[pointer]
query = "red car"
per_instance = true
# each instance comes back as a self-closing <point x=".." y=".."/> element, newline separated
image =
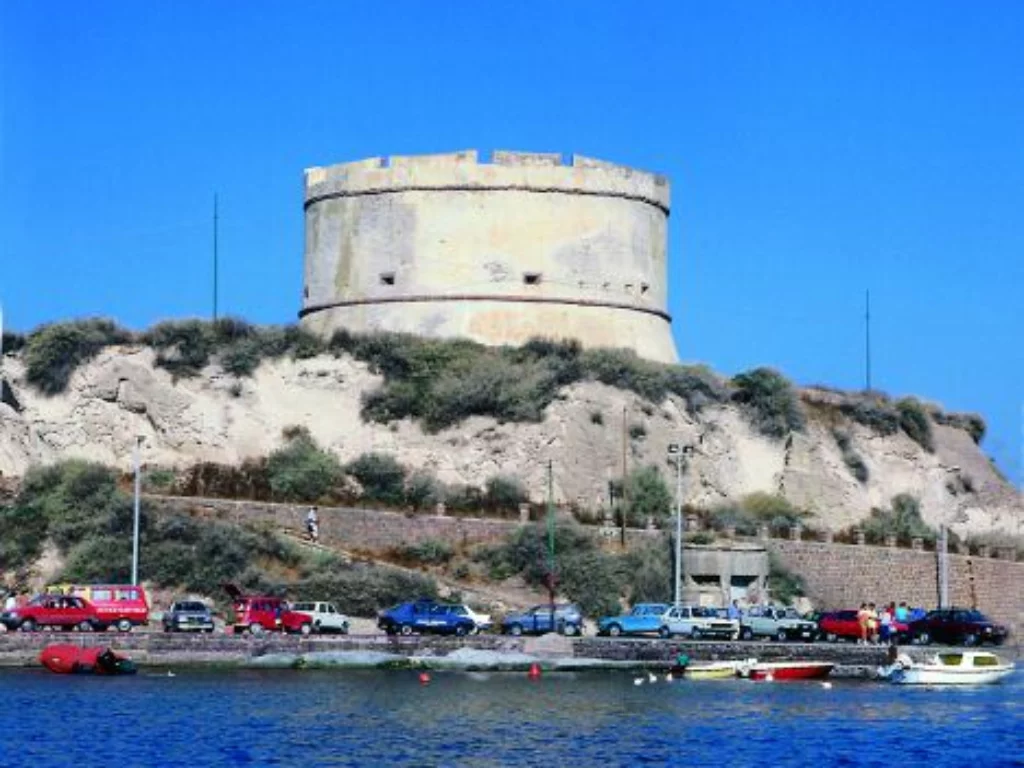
<point x="843" y="625"/>
<point x="262" y="613"/>
<point x="64" y="611"/>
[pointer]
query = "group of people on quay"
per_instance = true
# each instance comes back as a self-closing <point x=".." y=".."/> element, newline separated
<point x="879" y="625"/>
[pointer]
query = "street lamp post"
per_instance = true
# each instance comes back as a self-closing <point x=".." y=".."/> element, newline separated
<point x="135" y="520"/>
<point x="677" y="452"/>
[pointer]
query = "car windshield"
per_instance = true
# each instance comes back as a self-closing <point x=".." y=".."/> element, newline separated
<point x="189" y="607"/>
<point x="973" y="616"/>
<point x="302" y="607"/>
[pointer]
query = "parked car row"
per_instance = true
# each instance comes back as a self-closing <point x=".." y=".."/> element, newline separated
<point x="949" y="626"/>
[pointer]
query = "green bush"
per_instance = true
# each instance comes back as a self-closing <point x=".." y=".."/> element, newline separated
<point x="428" y="552"/>
<point x="783" y="585"/>
<point x="463" y="498"/>
<point x="249" y="480"/>
<point x="915" y="422"/>
<point x="362" y="590"/>
<point x="637" y="431"/>
<point x="423" y="491"/>
<point x="972" y="423"/>
<point x="902" y="520"/>
<point x="504" y="493"/>
<point x="301" y="471"/>
<point x="851" y="458"/>
<point x="12" y="342"/>
<point x="381" y="476"/>
<point x="54" y="352"/>
<point x="596" y="417"/>
<point x="874" y="412"/>
<point x="649" y="572"/>
<point x="183" y="347"/>
<point x="754" y="510"/>
<point x="647" y="496"/>
<point x="769" y="401"/>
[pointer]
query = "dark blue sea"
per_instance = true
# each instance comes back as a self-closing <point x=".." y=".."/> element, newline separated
<point x="335" y="718"/>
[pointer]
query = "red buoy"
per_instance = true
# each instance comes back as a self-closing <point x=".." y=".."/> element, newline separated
<point x="424" y="678"/>
<point x="534" y="672"/>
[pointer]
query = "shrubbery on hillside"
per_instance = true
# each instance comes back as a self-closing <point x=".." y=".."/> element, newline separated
<point x="915" y="422"/>
<point x="755" y="510"/>
<point x="53" y="352"/>
<point x="301" y="471"/>
<point x="902" y="520"/>
<point x="853" y="460"/>
<point x="78" y="507"/>
<point x="769" y="401"/>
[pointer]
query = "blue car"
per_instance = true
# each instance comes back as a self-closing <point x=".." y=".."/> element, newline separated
<point x="537" y="621"/>
<point x="427" y="616"/>
<point x="644" y="619"/>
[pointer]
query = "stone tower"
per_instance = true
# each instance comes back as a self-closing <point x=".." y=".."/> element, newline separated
<point x="499" y="252"/>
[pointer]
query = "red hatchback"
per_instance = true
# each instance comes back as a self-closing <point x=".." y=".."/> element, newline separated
<point x="64" y="611"/>
<point x="261" y="613"/>
<point x="843" y="625"/>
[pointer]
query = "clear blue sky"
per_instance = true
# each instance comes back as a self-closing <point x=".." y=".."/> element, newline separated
<point x="815" y="149"/>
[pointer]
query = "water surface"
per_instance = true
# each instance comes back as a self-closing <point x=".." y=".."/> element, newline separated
<point x="335" y="718"/>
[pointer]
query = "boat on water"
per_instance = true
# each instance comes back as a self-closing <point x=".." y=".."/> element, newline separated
<point x="785" y="670"/>
<point x="715" y="670"/>
<point x="74" y="659"/>
<point x="949" y="668"/>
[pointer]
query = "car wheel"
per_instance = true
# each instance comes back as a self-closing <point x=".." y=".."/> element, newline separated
<point x="461" y="630"/>
<point x="614" y="630"/>
<point x="832" y="637"/>
<point x="695" y="633"/>
<point x="84" y="626"/>
<point x="29" y="625"/>
<point x="305" y="629"/>
<point x="747" y="634"/>
<point x="970" y="639"/>
<point x="405" y="629"/>
<point x="781" y="636"/>
<point x="124" y="626"/>
<point x="208" y="630"/>
<point x="569" y="630"/>
<point x="665" y="633"/>
<point x="923" y="638"/>
<point x="515" y="629"/>
<point x="255" y="629"/>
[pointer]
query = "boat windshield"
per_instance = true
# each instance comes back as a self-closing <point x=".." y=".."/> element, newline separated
<point x="986" y="660"/>
<point x="950" y="659"/>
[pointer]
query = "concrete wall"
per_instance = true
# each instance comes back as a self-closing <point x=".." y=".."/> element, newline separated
<point x="844" y="576"/>
<point x="498" y="252"/>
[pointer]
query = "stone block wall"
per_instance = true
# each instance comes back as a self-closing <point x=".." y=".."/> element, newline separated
<point x="843" y="576"/>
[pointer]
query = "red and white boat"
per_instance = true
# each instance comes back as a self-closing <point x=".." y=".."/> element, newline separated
<point x="786" y="670"/>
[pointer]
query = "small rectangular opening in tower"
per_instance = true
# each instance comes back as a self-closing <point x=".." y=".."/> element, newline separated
<point x="387" y="278"/>
<point x="305" y="291"/>
<point x="644" y="288"/>
<point x="532" y="278"/>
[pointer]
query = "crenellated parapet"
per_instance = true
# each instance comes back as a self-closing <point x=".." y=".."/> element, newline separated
<point x="498" y="249"/>
<point x="524" y="171"/>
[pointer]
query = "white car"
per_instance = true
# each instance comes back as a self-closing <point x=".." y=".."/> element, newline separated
<point x="326" y="618"/>
<point x="697" y="621"/>
<point x="482" y="621"/>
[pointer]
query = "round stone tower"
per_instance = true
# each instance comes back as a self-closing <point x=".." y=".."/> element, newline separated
<point x="498" y="252"/>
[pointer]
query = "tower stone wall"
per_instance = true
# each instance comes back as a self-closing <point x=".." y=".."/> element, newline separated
<point x="501" y="251"/>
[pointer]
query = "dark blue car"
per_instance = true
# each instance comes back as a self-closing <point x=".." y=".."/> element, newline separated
<point x="426" y="616"/>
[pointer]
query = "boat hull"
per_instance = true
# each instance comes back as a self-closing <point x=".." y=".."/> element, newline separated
<point x="924" y="675"/>
<point x="713" y="671"/>
<point x="801" y="670"/>
<point x="72" y="659"/>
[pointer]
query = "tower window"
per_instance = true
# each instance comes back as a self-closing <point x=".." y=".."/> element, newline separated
<point x="644" y="288"/>
<point x="305" y="291"/>
<point x="531" y="278"/>
<point x="387" y="278"/>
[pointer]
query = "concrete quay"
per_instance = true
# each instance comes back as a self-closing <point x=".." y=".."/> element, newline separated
<point x="482" y="652"/>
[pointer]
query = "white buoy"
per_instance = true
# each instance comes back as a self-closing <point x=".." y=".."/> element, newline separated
<point x="651" y="677"/>
<point x="638" y="681"/>
<point x="827" y="686"/>
<point x="769" y="678"/>
<point x="170" y="674"/>
<point x="668" y="678"/>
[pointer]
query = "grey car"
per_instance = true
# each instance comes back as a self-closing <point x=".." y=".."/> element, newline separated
<point x="188" y="616"/>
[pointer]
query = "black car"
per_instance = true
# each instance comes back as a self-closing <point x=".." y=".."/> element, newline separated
<point x="957" y="626"/>
<point x="188" y="616"/>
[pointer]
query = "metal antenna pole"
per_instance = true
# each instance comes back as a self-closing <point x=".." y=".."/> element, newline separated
<point x="135" y="521"/>
<point x="867" y="338"/>
<point x="215" y="265"/>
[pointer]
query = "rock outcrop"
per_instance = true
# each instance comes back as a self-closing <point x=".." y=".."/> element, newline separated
<point x="121" y="394"/>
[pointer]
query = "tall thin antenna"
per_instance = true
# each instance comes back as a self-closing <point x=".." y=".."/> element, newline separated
<point x="625" y="496"/>
<point x="867" y="338"/>
<point x="215" y="270"/>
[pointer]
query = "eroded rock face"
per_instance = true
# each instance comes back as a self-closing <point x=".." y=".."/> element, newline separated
<point x="216" y="417"/>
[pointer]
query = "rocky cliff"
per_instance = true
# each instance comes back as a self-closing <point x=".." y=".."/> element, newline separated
<point x="121" y="393"/>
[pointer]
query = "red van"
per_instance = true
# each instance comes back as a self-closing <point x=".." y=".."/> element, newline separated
<point x="118" y="605"/>
<point x="257" y="614"/>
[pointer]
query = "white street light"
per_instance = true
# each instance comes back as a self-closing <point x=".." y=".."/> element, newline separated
<point x="677" y="451"/>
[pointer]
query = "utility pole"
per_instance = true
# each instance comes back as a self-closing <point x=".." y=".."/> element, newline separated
<point x="867" y="338"/>
<point x="551" y="543"/>
<point x="135" y="521"/>
<point x="215" y="265"/>
<point x="673" y="451"/>
<point x="625" y="494"/>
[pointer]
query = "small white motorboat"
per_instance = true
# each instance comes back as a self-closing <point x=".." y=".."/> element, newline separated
<point x="949" y="668"/>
